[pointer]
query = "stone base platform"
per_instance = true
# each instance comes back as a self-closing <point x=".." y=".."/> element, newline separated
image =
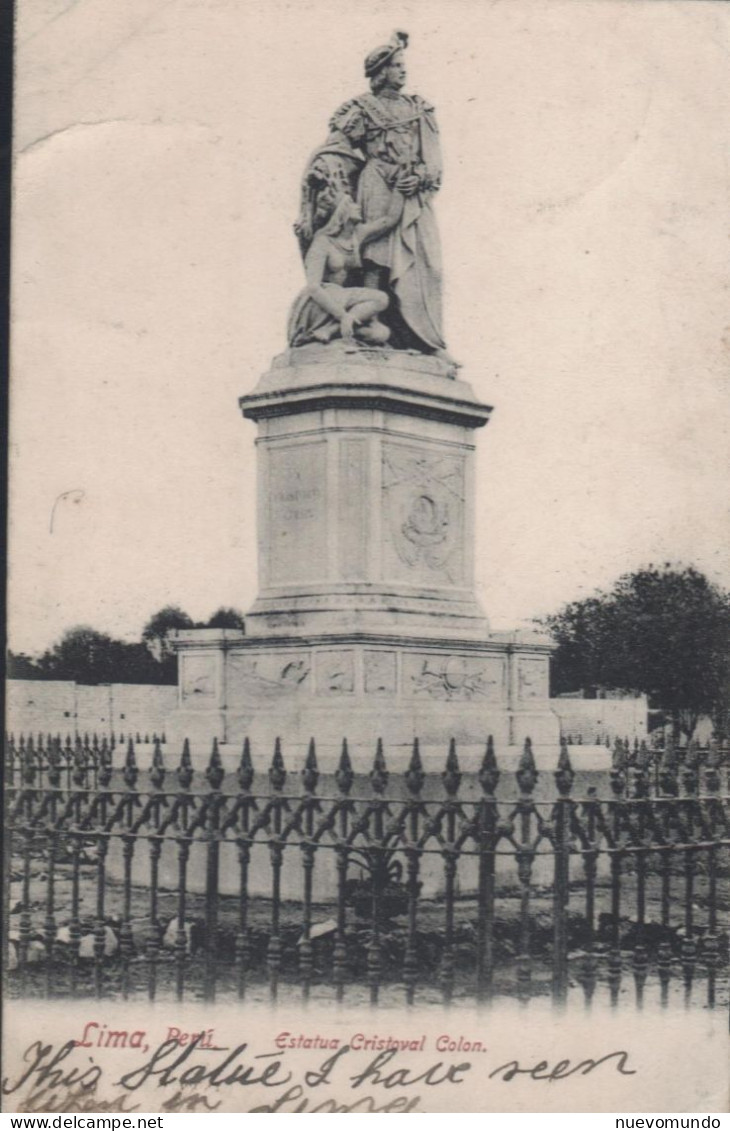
<point x="367" y="623"/>
<point x="362" y="687"/>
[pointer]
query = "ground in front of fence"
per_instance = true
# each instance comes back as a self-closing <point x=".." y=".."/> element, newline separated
<point x="509" y="965"/>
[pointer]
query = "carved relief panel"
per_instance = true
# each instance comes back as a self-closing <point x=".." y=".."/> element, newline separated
<point x="532" y="678"/>
<point x="198" y="681"/>
<point x="381" y="673"/>
<point x="423" y="515"/>
<point x="296" y="512"/>
<point x="256" y="680"/>
<point x="459" y="678"/>
<point x="335" y="672"/>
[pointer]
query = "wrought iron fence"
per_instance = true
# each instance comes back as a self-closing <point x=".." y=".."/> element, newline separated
<point x="123" y="879"/>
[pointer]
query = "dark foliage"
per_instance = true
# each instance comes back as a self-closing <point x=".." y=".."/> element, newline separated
<point x="662" y="632"/>
<point x="22" y="666"/>
<point x="226" y="618"/>
<point x="156" y="633"/>
<point x="90" y="657"/>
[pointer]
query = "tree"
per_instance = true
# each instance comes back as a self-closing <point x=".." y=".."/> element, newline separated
<point x="226" y="618"/>
<point x="135" y="664"/>
<point x="663" y="632"/>
<point x="22" y="666"/>
<point x="156" y="632"/>
<point x="87" y="656"/>
<point x="82" y="654"/>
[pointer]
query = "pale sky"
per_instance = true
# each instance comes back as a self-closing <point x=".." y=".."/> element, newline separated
<point x="159" y="148"/>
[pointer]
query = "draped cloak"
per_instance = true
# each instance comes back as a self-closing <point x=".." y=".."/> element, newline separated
<point x="402" y="137"/>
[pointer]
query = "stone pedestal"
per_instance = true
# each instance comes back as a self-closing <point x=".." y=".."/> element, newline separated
<point x="366" y="623"/>
<point x="366" y="486"/>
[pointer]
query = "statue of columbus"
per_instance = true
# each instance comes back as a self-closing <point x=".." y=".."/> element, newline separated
<point x="383" y="151"/>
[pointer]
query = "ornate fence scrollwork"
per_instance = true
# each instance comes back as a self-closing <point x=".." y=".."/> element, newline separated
<point x="130" y="872"/>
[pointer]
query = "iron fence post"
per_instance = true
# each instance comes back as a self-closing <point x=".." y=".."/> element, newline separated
<point x="246" y="802"/>
<point x="214" y="773"/>
<point x="487" y="828"/>
<point x="344" y="778"/>
<point x="277" y="779"/>
<point x="564" y="777"/>
<point x="414" y="779"/>
<point x="378" y="780"/>
<point x="525" y="855"/>
<point x="310" y="777"/>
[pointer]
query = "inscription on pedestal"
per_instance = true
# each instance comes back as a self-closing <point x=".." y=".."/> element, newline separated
<point x="297" y="512"/>
<point x="423" y="513"/>
<point x="353" y="493"/>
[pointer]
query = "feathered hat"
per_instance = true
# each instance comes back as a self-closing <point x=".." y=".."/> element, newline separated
<point x="378" y="58"/>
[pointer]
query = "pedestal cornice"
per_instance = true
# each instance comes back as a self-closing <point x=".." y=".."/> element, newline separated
<point x="228" y="639"/>
<point x="313" y="378"/>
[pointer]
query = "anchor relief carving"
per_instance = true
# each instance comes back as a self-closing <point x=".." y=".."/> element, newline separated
<point x="456" y="677"/>
<point x="423" y="496"/>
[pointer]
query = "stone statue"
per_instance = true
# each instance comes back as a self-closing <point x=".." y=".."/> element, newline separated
<point x="330" y="306"/>
<point x="332" y="170"/>
<point x="383" y="150"/>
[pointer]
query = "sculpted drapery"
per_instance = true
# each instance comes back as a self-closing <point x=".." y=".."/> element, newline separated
<point x="402" y="138"/>
<point x="383" y="149"/>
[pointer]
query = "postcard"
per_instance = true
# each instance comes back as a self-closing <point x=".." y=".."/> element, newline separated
<point x="367" y="724"/>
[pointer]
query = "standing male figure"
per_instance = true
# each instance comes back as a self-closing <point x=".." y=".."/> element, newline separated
<point x="402" y="171"/>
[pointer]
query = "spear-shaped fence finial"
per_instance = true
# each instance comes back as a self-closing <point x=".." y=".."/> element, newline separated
<point x="277" y="771"/>
<point x="415" y="777"/>
<point x="618" y="757"/>
<point x="185" y="769"/>
<point x="344" y="775"/>
<point x="379" y="773"/>
<point x="668" y="768"/>
<point x="105" y="763"/>
<point x="310" y="773"/>
<point x="489" y="771"/>
<point x="157" y="771"/>
<point x="130" y="773"/>
<point x="527" y="770"/>
<point x="245" y="771"/>
<point x="564" y="774"/>
<point x="618" y="768"/>
<point x="214" y="771"/>
<point x="53" y="752"/>
<point x="451" y="775"/>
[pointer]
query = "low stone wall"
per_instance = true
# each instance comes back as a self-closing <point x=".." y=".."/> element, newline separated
<point x="589" y="719"/>
<point x="63" y="707"/>
<point x="38" y="705"/>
